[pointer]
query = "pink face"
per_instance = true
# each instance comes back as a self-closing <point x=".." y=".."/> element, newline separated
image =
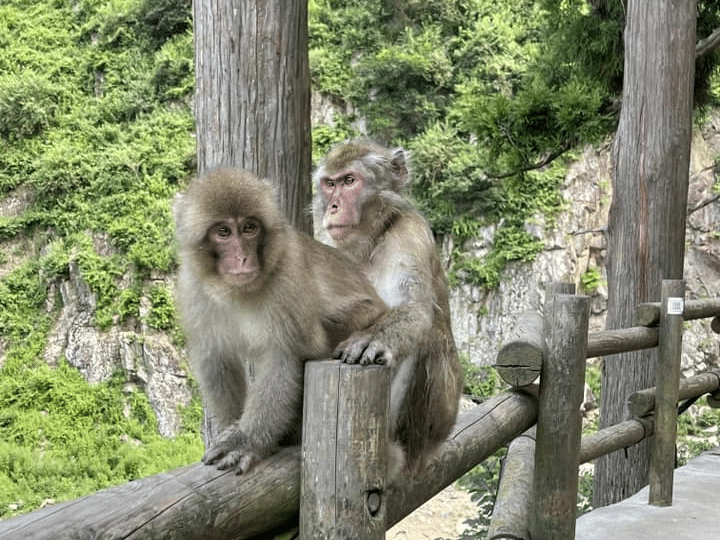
<point x="235" y="242"/>
<point x="342" y="211"/>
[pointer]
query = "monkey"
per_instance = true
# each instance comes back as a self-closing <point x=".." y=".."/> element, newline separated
<point x="257" y="299"/>
<point x="361" y="207"/>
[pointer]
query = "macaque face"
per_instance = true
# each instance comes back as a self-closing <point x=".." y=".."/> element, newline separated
<point x="342" y="192"/>
<point x="235" y="244"/>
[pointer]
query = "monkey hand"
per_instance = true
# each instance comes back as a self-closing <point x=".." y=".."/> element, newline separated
<point x="363" y="348"/>
<point x="233" y="449"/>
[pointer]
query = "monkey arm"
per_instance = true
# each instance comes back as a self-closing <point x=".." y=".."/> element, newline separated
<point x="406" y="284"/>
<point x="271" y="412"/>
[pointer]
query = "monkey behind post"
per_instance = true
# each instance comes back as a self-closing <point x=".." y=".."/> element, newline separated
<point x="257" y="299"/>
<point x="360" y="203"/>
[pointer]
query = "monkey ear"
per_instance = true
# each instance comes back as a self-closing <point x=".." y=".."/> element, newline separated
<point x="398" y="163"/>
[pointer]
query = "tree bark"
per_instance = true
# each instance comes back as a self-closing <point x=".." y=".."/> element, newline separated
<point x="646" y="227"/>
<point x="252" y="94"/>
<point x="252" y="99"/>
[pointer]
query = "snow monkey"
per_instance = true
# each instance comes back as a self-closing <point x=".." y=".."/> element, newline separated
<point x="360" y="204"/>
<point x="258" y="298"/>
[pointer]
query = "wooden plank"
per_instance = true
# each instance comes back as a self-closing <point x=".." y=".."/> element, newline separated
<point x="662" y="457"/>
<point x="559" y="427"/>
<point x="511" y="513"/>
<point x="344" y="451"/>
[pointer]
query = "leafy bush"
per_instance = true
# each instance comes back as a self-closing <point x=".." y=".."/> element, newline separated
<point x="62" y="438"/>
<point x="95" y="126"/>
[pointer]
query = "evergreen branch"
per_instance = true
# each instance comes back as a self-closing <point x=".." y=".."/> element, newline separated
<point x="552" y="156"/>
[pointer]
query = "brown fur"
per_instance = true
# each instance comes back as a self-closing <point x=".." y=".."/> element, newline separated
<point x="394" y="246"/>
<point x="247" y="345"/>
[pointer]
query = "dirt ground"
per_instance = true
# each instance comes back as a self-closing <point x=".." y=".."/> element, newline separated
<point x="442" y="517"/>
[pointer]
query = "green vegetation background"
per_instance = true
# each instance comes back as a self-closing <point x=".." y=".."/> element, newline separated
<point x="96" y="134"/>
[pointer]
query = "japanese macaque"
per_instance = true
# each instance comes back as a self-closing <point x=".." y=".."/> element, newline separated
<point x="362" y="210"/>
<point x="257" y="299"/>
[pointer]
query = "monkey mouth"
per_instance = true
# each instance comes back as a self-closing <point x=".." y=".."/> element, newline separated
<point x="239" y="279"/>
<point x="339" y="232"/>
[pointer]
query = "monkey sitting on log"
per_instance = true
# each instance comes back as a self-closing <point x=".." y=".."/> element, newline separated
<point x="360" y="203"/>
<point x="257" y="298"/>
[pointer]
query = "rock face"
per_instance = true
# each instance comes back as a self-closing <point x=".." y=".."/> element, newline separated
<point x="148" y="358"/>
<point x="576" y="246"/>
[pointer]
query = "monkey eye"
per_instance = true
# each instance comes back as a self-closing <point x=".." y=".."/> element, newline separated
<point x="349" y="180"/>
<point x="328" y="182"/>
<point x="223" y="231"/>
<point x="251" y="227"/>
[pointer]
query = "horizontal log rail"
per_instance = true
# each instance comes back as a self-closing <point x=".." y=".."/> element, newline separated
<point x="200" y="502"/>
<point x="642" y="403"/>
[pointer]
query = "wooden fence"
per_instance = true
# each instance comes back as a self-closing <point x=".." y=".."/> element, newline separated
<point x="538" y="488"/>
<point x="334" y="486"/>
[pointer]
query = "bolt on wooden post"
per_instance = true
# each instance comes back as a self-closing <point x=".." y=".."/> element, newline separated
<point x="667" y="390"/>
<point x="344" y="451"/>
<point x="557" y="447"/>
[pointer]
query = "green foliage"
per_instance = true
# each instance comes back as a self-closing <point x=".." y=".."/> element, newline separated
<point x="162" y="314"/>
<point x="324" y="137"/>
<point x="95" y="126"/>
<point x="482" y="482"/>
<point x="591" y="280"/>
<point x="28" y="105"/>
<point x="593" y="378"/>
<point x="697" y="431"/>
<point x="63" y="438"/>
<point x="479" y="381"/>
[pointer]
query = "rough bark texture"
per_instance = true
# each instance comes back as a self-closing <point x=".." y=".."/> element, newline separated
<point x="253" y="93"/>
<point x="646" y="229"/>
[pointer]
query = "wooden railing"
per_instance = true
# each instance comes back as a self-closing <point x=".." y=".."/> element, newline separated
<point x="538" y="489"/>
<point x="343" y="498"/>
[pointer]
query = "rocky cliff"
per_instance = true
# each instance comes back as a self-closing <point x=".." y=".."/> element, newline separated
<point x="575" y="250"/>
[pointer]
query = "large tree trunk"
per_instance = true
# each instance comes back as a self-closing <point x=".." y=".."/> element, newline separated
<point x="646" y="228"/>
<point x="252" y="95"/>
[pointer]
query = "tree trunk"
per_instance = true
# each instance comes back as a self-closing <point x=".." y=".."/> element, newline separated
<point x="252" y="94"/>
<point x="252" y="99"/>
<point x="646" y="227"/>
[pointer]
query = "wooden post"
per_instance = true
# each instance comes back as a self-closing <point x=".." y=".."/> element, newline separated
<point x="511" y="513"/>
<point x="662" y="459"/>
<point x="557" y="447"/>
<point x="344" y="451"/>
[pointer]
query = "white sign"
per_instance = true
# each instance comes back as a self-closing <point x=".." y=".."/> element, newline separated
<point x="675" y="306"/>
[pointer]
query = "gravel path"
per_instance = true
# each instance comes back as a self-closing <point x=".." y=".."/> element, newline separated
<point x="442" y="517"/>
